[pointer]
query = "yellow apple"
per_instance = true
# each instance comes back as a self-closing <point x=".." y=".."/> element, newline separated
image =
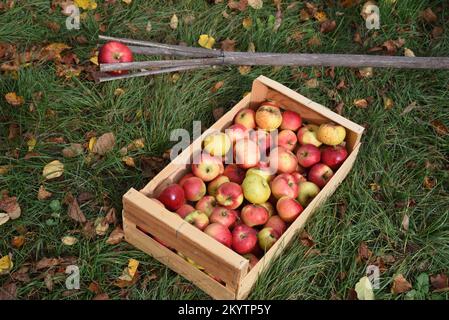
<point x="331" y="134"/>
<point x="217" y="144"/>
<point x="264" y="173"/>
<point x="308" y="135"/>
<point x="256" y="189"/>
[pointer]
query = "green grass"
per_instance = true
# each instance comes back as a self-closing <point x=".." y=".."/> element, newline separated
<point x="391" y="143"/>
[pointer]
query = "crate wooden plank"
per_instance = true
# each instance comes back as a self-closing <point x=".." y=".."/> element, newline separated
<point x="251" y="278"/>
<point x="216" y="258"/>
<point x="145" y="243"/>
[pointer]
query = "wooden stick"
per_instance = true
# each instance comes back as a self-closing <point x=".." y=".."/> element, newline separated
<point x="148" y="73"/>
<point x="158" y="64"/>
<point x="167" y="52"/>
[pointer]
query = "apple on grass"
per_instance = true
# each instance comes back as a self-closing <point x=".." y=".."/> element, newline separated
<point x="207" y="168"/>
<point x="266" y="238"/>
<point x="184" y="210"/>
<point x="333" y="156"/>
<point x="214" y="184"/>
<point x="246" y="117"/>
<point x="194" y="188"/>
<point x="236" y="132"/>
<point x="172" y="197"/>
<point x="307" y="191"/>
<point x="291" y="120"/>
<point x="220" y="233"/>
<point x="234" y="173"/>
<point x="284" y="185"/>
<point x="230" y="195"/>
<point x="277" y="224"/>
<point x="256" y="189"/>
<point x="320" y="174"/>
<point x="206" y="204"/>
<point x="244" y="239"/>
<point x="198" y="219"/>
<point x="288" y="209"/>
<point x="217" y="144"/>
<point x="283" y="160"/>
<point x="254" y="215"/>
<point x="115" y="52"/>
<point x="331" y="134"/>
<point x="287" y="139"/>
<point x="308" y="155"/>
<point x="224" y="216"/>
<point x="247" y="153"/>
<point x="308" y="134"/>
<point x="268" y="116"/>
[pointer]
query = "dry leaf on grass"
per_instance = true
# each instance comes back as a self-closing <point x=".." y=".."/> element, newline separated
<point x="74" y="150"/>
<point x="10" y="206"/>
<point x="129" y="275"/>
<point x="217" y="86"/>
<point x="8" y="291"/>
<point x="439" y="282"/>
<point x="429" y="182"/>
<point x="405" y="222"/>
<point x="247" y="23"/>
<point x="361" y="103"/>
<point x="69" y="240"/>
<point x="88" y="4"/>
<point x="206" y="41"/>
<point x="6" y="264"/>
<point x="18" y="241"/>
<point x="218" y="113"/>
<point x="364" y="289"/>
<point x="45" y="263"/>
<point x="328" y="26"/>
<point x="400" y="285"/>
<point x="240" y="5"/>
<point x="13" y="99"/>
<point x="74" y="210"/>
<point x="388" y="103"/>
<point x="429" y="16"/>
<point x="4" y="218"/>
<point x="244" y="70"/>
<point x="408" y="52"/>
<point x="104" y="144"/>
<point x="101" y="296"/>
<point x="255" y="4"/>
<point x="364" y="253"/>
<point x="116" y="236"/>
<point x="439" y="127"/>
<point x="228" y="45"/>
<point x="101" y="226"/>
<point x="129" y="161"/>
<point x="312" y="83"/>
<point x="43" y="194"/>
<point x="174" y="22"/>
<point x="53" y="170"/>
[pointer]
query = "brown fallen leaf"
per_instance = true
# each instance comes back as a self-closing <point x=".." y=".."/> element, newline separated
<point x="247" y="23"/>
<point x="129" y="161"/>
<point x="101" y="296"/>
<point x="405" y="222"/>
<point x="228" y="45"/>
<point x="14" y="131"/>
<point x="18" y="241"/>
<point x="429" y="16"/>
<point x="409" y="108"/>
<point x="314" y="41"/>
<point x="116" y="236"/>
<point x="21" y="275"/>
<point x="89" y="230"/>
<point x="388" y="103"/>
<point x="48" y="280"/>
<point x="94" y="287"/>
<point x="306" y="239"/>
<point x="244" y="70"/>
<point x="437" y="32"/>
<point x="74" y="150"/>
<point x="400" y="285"/>
<point x="361" y="103"/>
<point x="69" y="240"/>
<point x="10" y="206"/>
<point x="13" y="99"/>
<point x="217" y="86"/>
<point x="104" y="143"/>
<point x="312" y="83"/>
<point x="8" y="291"/>
<point x="364" y="253"/>
<point x="439" y="282"/>
<point x="339" y="108"/>
<point x="328" y="26"/>
<point x="240" y="5"/>
<point x="304" y="15"/>
<point x="429" y="182"/>
<point x="101" y="226"/>
<point x="439" y="127"/>
<point x="43" y="194"/>
<point x="74" y="210"/>
<point x="45" y="263"/>
<point x="111" y="216"/>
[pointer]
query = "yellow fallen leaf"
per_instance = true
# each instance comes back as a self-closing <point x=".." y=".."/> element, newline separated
<point x="206" y="41"/>
<point x="4" y="169"/>
<point x="127" y="1"/>
<point x="31" y="143"/>
<point x="388" y="103"/>
<point x="149" y="26"/>
<point x="101" y="226"/>
<point x="175" y="77"/>
<point x="408" y="52"/>
<point x="86" y="4"/>
<point x="244" y="70"/>
<point x="320" y="16"/>
<point x="53" y="50"/>
<point x="366" y="72"/>
<point x="130" y="271"/>
<point x="69" y="240"/>
<point x="13" y="99"/>
<point x="129" y="161"/>
<point x="53" y="170"/>
<point x="119" y="92"/>
<point x="4" y="217"/>
<point x="364" y="289"/>
<point x="247" y="23"/>
<point x="255" y="4"/>
<point x="92" y="142"/>
<point x="174" y="22"/>
<point x="94" y="58"/>
<point x="312" y="83"/>
<point x="6" y="265"/>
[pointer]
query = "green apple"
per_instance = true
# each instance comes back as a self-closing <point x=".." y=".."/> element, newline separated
<point x="267" y="237"/>
<point x="264" y="173"/>
<point x="307" y="191"/>
<point x="256" y="189"/>
<point x="217" y="144"/>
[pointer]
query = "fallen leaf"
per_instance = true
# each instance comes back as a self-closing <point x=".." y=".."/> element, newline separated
<point x="348" y="3"/>
<point x="53" y="170"/>
<point x="13" y="99"/>
<point x="217" y="86"/>
<point x="437" y="32"/>
<point x="409" y="108"/>
<point x="304" y="15"/>
<point x="244" y="70"/>
<point x="375" y="187"/>
<point x="357" y="38"/>
<point x="119" y="92"/>
<point x="429" y="183"/>
<point x="14" y="131"/>
<point x="408" y="52"/>
<point x="74" y="150"/>
<point x="5" y="169"/>
<point x="89" y="4"/>
<point x="314" y="41"/>
<point x="8" y="291"/>
<point x="188" y="19"/>
<point x="312" y="83"/>
<point x="101" y="296"/>
<point x="228" y="45"/>
<point x="45" y="263"/>
<point x="101" y="226"/>
<point x="94" y="58"/>
<point x="149" y="26"/>
<point x="255" y="4"/>
<point x="206" y="41"/>
<point x="10" y="206"/>
<point x="174" y="22"/>
<point x="89" y="230"/>
<point x="328" y="26"/>
<point x="278" y="20"/>
<point x="91" y="144"/>
<point x="306" y="239"/>
<point x="339" y="108"/>
<point x="18" y="241"/>
<point x="439" y="282"/>
<point x="74" y="210"/>
<point x="6" y="264"/>
<point x="320" y="16"/>
<point x="388" y="103"/>
<point x="251" y="47"/>
<point x="4" y="217"/>
<point x="364" y="253"/>
<point x="429" y="16"/>
<point x="400" y="285"/>
<point x="366" y="72"/>
<point x="94" y="287"/>
<point x="361" y="103"/>
<point x="69" y="240"/>
<point x="116" y="236"/>
<point x="129" y="274"/>
<point x="111" y="216"/>
<point x="405" y="222"/>
<point x="104" y="144"/>
<point x="218" y="113"/>
<point x="439" y="127"/>
<point x="43" y="194"/>
<point x="364" y="289"/>
<point x="53" y="51"/>
<point x="240" y="5"/>
<point x="129" y="161"/>
<point x="247" y="23"/>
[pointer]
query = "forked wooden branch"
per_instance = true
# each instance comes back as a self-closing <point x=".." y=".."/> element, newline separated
<point x="208" y="57"/>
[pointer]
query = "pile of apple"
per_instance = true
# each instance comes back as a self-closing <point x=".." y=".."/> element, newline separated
<point x="244" y="205"/>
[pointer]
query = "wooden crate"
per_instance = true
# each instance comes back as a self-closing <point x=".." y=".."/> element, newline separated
<point x="142" y="213"/>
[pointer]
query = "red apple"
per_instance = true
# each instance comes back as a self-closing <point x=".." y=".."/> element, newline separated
<point x="283" y="160"/>
<point x="220" y="233"/>
<point x="291" y="120"/>
<point x="262" y="138"/>
<point x="308" y="155"/>
<point x="224" y="216"/>
<point x="247" y="154"/>
<point x="114" y="52"/>
<point x="246" y="117"/>
<point x="333" y="156"/>
<point x="194" y="188"/>
<point x="287" y="139"/>
<point x="206" y="204"/>
<point x="252" y="259"/>
<point x="184" y="210"/>
<point x="230" y="195"/>
<point x="277" y="224"/>
<point x="254" y="215"/>
<point x="320" y="174"/>
<point x="208" y="168"/>
<point x="234" y="173"/>
<point x="298" y="177"/>
<point x="172" y="197"/>
<point x="284" y="185"/>
<point x="288" y="209"/>
<point x="214" y="184"/>
<point x="184" y="177"/>
<point x="269" y="207"/>
<point x="267" y="237"/>
<point x="244" y="239"/>
<point x="198" y="219"/>
<point x="236" y="132"/>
